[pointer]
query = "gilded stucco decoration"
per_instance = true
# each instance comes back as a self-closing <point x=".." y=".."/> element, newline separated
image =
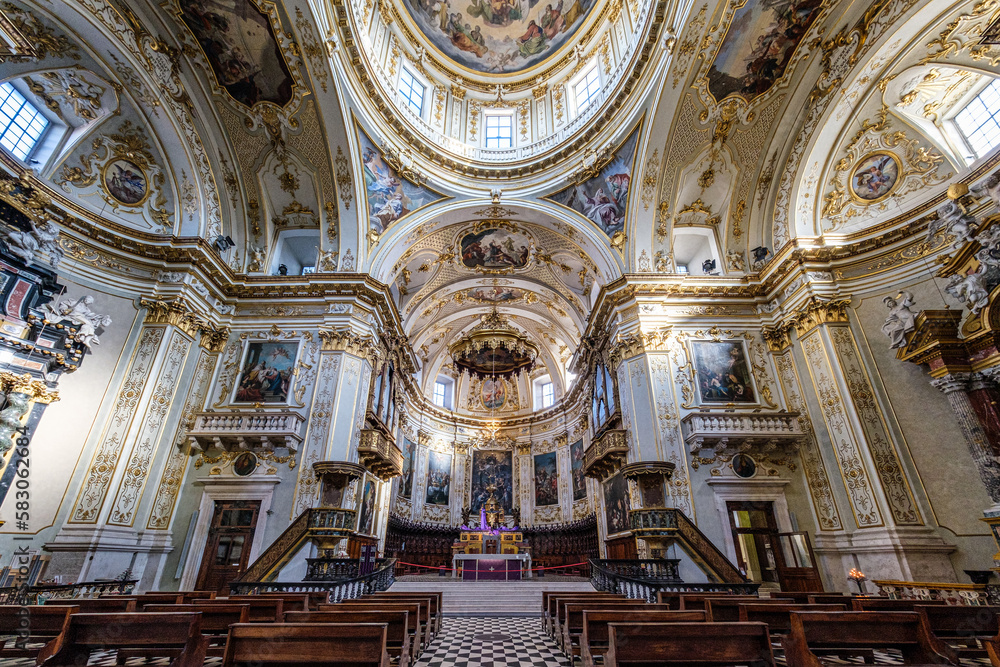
<point x="881" y="162"/>
<point x="126" y="174"/>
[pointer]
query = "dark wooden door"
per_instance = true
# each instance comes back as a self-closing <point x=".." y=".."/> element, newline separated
<point x="755" y="533"/>
<point x="798" y="570"/>
<point x="227" y="550"/>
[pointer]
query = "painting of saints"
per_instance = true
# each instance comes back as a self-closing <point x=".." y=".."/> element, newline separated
<point x="875" y="176"/>
<point x="494" y="393"/>
<point x="366" y="515"/>
<point x="495" y="249"/>
<point x="546" y="480"/>
<point x="125" y="182"/>
<point x="723" y="372"/>
<point x="438" y="478"/>
<point x="389" y="197"/>
<point x="758" y="46"/>
<point x="241" y="48"/>
<point x="616" y="504"/>
<point x="406" y="481"/>
<point x="576" y="467"/>
<point x="267" y="373"/>
<point x="603" y="199"/>
<point x="492" y="470"/>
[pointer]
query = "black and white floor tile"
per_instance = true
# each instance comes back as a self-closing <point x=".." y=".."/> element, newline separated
<point x="492" y="642"/>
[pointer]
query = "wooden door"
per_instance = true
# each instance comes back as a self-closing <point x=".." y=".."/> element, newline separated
<point x="227" y="550"/>
<point x="798" y="570"/>
<point x="755" y="534"/>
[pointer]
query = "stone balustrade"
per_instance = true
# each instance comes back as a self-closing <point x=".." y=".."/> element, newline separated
<point x="246" y="430"/>
<point x="733" y="429"/>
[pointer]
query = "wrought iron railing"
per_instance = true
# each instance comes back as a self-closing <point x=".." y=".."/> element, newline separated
<point x="84" y="589"/>
<point x="607" y="575"/>
<point x="379" y="579"/>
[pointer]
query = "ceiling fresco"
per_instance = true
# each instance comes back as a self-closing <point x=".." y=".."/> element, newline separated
<point x="239" y="42"/>
<point x="758" y="46"/>
<point x="498" y="36"/>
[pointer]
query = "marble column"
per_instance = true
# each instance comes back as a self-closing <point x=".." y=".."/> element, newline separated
<point x="955" y="387"/>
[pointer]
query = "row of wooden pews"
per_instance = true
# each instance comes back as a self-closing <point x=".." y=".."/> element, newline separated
<point x="276" y="629"/>
<point x="683" y="628"/>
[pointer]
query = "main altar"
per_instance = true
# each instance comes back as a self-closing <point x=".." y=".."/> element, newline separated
<point x="492" y="548"/>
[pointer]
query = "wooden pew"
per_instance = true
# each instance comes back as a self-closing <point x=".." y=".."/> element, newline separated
<point x="435" y="608"/>
<point x="727" y="609"/>
<point x="42" y="628"/>
<point x="800" y="597"/>
<point x="702" y="644"/>
<point x="552" y="603"/>
<point x="778" y="617"/>
<point x="414" y="610"/>
<point x="291" y="601"/>
<point x="112" y="604"/>
<point x="594" y="640"/>
<point x="966" y="626"/>
<point x="570" y="619"/>
<point x="190" y="596"/>
<point x="815" y="632"/>
<point x="215" y="622"/>
<point x="262" y="609"/>
<point x="397" y="630"/>
<point x="885" y="604"/>
<point x="294" y="644"/>
<point x="430" y="615"/>
<point x="146" y="632"/>
<point x="143" y="599"/>
<point x="831" y="598"/>
<point x="697" y="601"/>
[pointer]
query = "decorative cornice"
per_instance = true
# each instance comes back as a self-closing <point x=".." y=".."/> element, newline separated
<point x="818" y="312"/>
<point x="179" y="314"/>
<point x="350" y="342"/>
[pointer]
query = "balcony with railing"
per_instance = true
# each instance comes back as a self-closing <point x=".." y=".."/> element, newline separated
<point x="606" y="454"/>
<point x="380" y="454"/>
<point x="246" y="430"/>
<point x="731" y="429"/>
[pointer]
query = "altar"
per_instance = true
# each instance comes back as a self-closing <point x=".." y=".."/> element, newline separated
<point x="491" y="567"/>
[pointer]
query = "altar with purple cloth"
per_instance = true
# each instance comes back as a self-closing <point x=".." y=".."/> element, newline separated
<point x="491" y="567"/>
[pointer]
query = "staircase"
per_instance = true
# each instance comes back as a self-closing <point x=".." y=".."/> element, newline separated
<point x="481" y="598"/>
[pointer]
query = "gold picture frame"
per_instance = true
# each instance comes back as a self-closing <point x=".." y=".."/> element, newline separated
<point x="117" y="190"/>
<point x="878" y="161"/>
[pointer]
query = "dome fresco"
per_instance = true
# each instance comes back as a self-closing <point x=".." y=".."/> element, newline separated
<point x="498" y="36"/>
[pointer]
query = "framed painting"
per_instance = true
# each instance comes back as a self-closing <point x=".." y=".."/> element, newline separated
<point x="438" y="479"/>
<point x="722" y="372"/>
<point x="406" y="479"/>
<point x="366" y="507"/>
<point x="493" y="393"/>
<point x="267" y="371"/>
<point x="616" y="504"/>
<point x="492" y="470"/>
<point x="875" y="177"/>
<point x="495" y="250"/>
<point x="576" y="468"/>
<point x="125" y="182"/>
<point x="546" y="480"/>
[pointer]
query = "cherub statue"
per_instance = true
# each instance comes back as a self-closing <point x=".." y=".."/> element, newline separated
<point x="989" y="187"/>
<point x="970" y="289"/>
<point x="953" y="218"/>
<point x="79" y="313"/>
<point x="735" y="261"/>
<point x="41" y="238"/>
<point x="900" y="320"/>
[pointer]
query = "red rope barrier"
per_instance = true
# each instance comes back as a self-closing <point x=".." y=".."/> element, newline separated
<point x="449" y="569"/>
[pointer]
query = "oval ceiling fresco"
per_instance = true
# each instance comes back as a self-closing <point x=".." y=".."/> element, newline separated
<point x="498" y="36"/>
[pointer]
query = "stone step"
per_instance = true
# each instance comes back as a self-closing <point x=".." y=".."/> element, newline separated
<point x="508" y="598"/>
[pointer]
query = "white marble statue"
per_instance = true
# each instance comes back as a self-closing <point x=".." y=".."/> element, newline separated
<point x="900" y="320"/>
<point x="735" y="261"/>
<point x="969" y="289"/>
<point x="954" y="219"/>
<point x="41" y="238"/>
<point x="988" y="187"/>
<point x="79" y="313"/>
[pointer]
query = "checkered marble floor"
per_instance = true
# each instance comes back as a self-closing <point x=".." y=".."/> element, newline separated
<point x="492" y="642"/>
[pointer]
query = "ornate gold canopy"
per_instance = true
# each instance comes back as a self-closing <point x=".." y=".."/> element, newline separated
<point x="494" y="349"/>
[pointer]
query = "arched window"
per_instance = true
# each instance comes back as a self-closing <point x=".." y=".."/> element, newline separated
<point x="23" y="123"/>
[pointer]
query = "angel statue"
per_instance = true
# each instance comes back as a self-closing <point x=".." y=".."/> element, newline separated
<point x="41" y="238"/>
<point x="969" y="289"/>
<point x="79" y="313"/>
<point x="900" y="320"/>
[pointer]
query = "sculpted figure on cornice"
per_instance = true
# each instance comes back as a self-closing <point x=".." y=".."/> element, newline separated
<point x="77" y="311"/>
